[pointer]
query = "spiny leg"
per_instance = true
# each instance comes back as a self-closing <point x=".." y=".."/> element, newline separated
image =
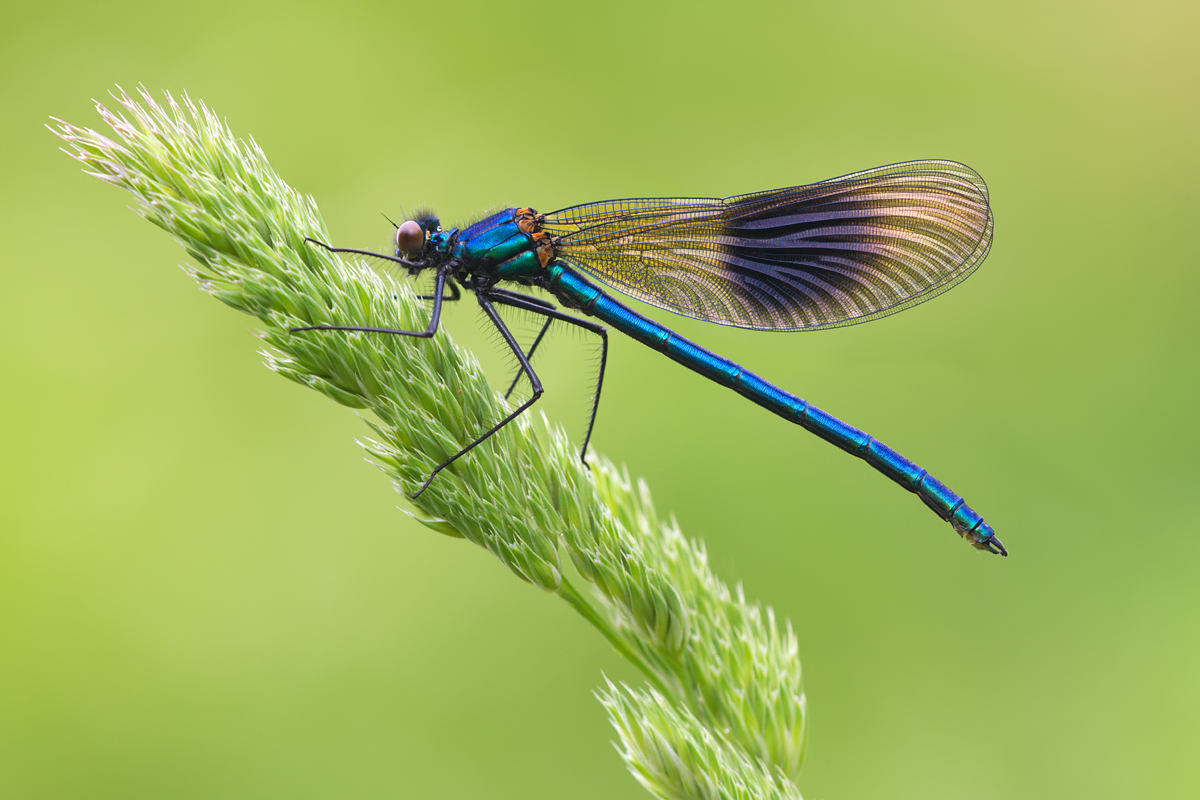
<point x="539" y="307"/>
<point x="402" y="261"/>
<point x="496" y="293"/>
<point x="454" y="295"/>
<point x="430" y="330"/>
<point x="499" y="296"/>
<point x="490" y="310"/>
<point x="417" y="265"/>
<point x="532" y="349"/>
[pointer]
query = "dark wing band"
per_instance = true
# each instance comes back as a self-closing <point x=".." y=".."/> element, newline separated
<point x="834" y="253"/>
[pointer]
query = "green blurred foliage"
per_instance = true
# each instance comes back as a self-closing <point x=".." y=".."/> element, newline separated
<point x="205" y="592"/>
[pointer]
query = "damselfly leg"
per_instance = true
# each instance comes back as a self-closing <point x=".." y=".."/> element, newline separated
<point x="454" y="295"/>
<point x="536" y="382"/>
<point x="439" y="295"/>
<point x="538" y="306"/>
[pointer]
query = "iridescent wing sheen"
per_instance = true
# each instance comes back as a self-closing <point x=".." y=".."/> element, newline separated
<point x="833" y="253"/>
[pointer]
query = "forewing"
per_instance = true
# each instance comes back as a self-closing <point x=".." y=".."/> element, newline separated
<point x="833" y="253"/>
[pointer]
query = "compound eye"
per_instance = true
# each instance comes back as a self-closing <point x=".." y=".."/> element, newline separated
<point x="410" y="238"/>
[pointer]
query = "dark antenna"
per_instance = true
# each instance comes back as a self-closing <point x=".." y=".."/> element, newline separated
<point x="389" y="219"/>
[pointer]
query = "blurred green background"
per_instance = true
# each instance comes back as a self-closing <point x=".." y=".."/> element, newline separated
<point x="206" y="592"/>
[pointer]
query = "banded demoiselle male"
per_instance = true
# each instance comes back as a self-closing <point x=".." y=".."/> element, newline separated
<point x="828" y="254"/>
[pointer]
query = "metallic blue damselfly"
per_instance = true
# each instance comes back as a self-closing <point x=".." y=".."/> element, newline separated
<point x="833" y="253"/>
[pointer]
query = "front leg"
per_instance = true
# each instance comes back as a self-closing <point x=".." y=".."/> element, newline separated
<point x="430" y="329"/>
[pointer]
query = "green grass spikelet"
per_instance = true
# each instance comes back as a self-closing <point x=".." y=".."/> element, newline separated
<point x="725" y="717"/>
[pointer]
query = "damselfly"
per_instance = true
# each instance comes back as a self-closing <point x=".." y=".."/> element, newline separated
<point x="833" y="253"/>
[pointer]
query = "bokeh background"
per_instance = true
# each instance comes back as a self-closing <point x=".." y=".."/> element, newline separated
<point x="206" y="592"/>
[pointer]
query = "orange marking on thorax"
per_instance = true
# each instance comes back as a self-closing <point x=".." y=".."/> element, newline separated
<point x="544" y="247"/>
<point x="528" y="220"/>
